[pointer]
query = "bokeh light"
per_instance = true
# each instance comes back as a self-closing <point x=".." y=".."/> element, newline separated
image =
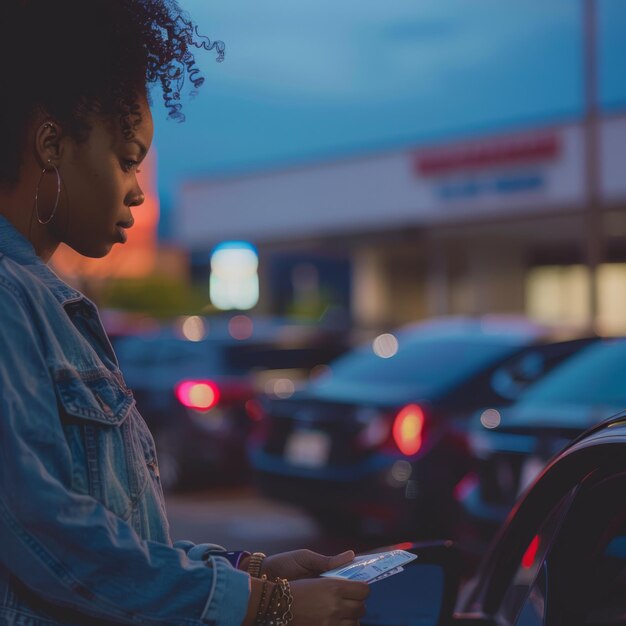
<point x="385" y="346"/>
<point x="490" y="418"/>
<point x="194" y="328"/>
<point x="241" y="327"/>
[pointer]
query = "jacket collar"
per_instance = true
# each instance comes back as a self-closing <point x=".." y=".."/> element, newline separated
<point x="14" y="245"/>
<point x="17" y="248"/>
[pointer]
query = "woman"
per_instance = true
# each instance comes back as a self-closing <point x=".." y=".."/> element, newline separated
<point x="84" y="537"/>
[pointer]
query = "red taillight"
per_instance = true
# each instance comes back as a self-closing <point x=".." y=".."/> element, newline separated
<point x="201" y="395"/>
<point x="407" y="429"/>
<point x="531" y="553"/>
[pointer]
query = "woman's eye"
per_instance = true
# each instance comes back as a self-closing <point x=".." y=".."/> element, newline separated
<point x="129" y="164"/>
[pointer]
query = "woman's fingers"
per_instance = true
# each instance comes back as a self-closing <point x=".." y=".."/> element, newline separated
<point x="351" y="606"/>
<point x="328" y="601"/>
<point x="355" y="590"/>
<point x="352" y="609"/>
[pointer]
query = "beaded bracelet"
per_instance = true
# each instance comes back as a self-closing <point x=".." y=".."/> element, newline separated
<point x="259" y="614"/>
<point x="279" y="609"/>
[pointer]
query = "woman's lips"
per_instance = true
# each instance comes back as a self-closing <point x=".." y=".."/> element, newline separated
<point x="122" y="234"/>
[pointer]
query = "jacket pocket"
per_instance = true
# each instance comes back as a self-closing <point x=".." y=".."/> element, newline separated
<point x="94" y="406"/>
<point x="95" y="395"/>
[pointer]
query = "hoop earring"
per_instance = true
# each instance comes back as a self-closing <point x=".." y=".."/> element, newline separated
<point x="56" y="203"/>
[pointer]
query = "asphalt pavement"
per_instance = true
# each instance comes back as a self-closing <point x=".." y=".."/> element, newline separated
<point x="238" y="519"/>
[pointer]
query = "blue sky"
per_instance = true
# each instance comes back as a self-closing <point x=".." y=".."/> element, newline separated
<point x="312" y="80"/>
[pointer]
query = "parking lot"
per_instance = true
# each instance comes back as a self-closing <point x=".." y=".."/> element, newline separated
<point x="237" y="518"/>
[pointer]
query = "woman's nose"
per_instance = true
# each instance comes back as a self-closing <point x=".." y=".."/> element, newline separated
<point x="138" y="199"/>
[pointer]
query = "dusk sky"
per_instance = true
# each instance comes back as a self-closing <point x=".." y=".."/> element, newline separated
<point x="319" y="79"/>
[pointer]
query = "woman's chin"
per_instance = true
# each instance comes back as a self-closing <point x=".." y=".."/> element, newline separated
<point x="94" y="251"/>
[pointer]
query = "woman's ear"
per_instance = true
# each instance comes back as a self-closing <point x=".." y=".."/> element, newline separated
<point x="48" y="142"/>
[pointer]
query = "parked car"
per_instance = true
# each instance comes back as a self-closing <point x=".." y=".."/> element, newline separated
<point x="379" y="443"/>
<point x="194" y="386"/>
<point x="559" y="560"/>
<point x="513" y="444"/>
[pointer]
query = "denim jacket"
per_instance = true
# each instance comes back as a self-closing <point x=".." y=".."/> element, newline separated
<point x="84" y="537"/>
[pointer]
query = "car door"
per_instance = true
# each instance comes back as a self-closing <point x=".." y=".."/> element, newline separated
<point x="551" y="563"/>
<point x="580" y="577"/>
<point x="586" y="580"/>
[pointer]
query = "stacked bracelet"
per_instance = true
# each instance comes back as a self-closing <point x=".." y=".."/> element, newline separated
<point x="255" y="563"/>
<point x="260" y="613"/>
<point x="279" y="608"/>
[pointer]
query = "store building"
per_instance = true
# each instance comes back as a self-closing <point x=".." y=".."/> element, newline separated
<point x="497" y="224"/>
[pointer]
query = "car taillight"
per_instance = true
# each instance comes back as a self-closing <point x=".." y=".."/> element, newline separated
<point x="407" y="429"/>
<point x="201" y="395"/>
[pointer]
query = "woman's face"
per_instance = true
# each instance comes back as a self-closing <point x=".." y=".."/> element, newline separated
<point x="99" y="185"/>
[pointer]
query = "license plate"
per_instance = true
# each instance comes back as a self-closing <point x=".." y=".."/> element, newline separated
<point x="530" y="470"/>
<point x="308" y="448"/>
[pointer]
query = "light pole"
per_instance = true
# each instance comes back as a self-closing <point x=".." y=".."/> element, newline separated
<point x="593" y="230"/>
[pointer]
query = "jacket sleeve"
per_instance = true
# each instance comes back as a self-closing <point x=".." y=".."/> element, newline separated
<point x="203" y="551"/>
<point x="67" y="548"/>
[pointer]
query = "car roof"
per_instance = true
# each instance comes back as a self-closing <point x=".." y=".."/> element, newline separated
<point x="613" y="427"/>
<point x="513" y="326"/>
<point x="503" y="328"/>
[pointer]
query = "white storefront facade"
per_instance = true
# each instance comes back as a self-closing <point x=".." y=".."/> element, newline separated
<point x="490" y="224"/>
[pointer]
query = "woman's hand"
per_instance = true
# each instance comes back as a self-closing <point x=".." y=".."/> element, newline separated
<point x="302" y="564"/>
<point x="328" y="602"/>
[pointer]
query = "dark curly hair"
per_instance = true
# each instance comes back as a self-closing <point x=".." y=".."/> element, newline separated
<point x="76" y="57"/>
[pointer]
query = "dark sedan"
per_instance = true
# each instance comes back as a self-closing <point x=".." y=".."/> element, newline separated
<point x="194" y="384"/>
<point x="377" y="445"/>
<point x="559" y="560"/>
<point x="512" y="445"/>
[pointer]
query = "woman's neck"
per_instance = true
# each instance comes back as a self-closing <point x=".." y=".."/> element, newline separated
<point x="17" y="204"/>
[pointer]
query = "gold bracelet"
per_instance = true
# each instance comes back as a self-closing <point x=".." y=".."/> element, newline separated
<point x="260" y="612"/>
<point x="255" y="563"/>
<point x="281" y="601"/>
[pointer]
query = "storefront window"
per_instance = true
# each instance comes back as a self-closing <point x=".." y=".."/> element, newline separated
<point x="559" y="294"/>
<point x="612" y="298"/>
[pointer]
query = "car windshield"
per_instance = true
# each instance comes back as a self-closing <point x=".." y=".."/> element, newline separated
<point x="423" y="362"/>
<point x="594" y="376"/>
<point x="222" y="356"/>
<point x="174" y="353"/>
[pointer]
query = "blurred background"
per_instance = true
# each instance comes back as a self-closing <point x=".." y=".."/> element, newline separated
<point x="349" y="170"/>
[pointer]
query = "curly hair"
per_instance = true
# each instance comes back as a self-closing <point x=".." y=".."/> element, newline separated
<point x="71" y="58"/>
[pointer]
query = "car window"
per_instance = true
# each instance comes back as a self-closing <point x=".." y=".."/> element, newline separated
<point x="595" y="376"/>
<point x="608" y="607"/>
<point x="132" y="351"/>
<point x="516" y="374"/>
<point x="174" y="352"/>
<point x="430" y="364"/>
<point x="550" y="561"/>
<point x="277" y="357"/>
<point x="510" y="379"/>
<point x="533" y="611"/>
<point x="169" y="352"/>
<point x="587" y="564"/>
<point x="523" y="602"/>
